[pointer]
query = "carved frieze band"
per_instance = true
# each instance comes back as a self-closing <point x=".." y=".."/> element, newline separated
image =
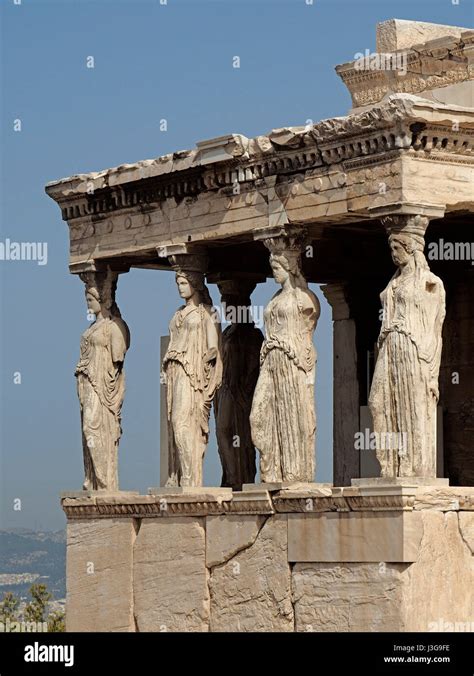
<point x="319" y="149"/>
<point x="266" y="502"/>
<point x="424" y="67"/>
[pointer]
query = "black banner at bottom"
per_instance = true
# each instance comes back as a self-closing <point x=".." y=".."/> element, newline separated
<point x="71" y="653"/>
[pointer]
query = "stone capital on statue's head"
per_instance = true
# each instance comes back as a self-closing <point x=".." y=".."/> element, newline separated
<point x="290" y="245"/>
<point x="414" y="225"/>
<point x="409" y="229"/>
<point x="102" y="285"/>
<point x="194" y="263"/>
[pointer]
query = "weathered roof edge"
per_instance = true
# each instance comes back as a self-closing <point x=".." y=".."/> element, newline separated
<point x="394" y="108"/>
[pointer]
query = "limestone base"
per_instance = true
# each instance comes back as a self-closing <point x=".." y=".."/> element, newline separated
<point x="342" y="559"/>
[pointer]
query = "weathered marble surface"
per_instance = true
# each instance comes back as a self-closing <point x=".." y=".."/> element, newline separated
<point x="439" y="586"/>
<point x="170" y="576"/>
<point x="101" y="382"/>
<point x="283" y="419"/>
<point x="430" y="60"/>
<point x="347" y="597"/>
<point x="99" y="575"/>
<point x="402" y="34"/>
<point x="241" y="343"/>
<point x="229" y="534"/>
<point x="354" y="537"/>
<point x="192" y="367"/>
<point x="252" y="591"/>
<point x="191" y="569"/>
<point x="325" y="172"/>
<point x="404" y="392"/>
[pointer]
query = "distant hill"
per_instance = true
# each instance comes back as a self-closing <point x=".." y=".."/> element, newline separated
<point x="27" y="556"/>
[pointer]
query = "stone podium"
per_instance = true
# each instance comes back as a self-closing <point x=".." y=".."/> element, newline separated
<point x="301" y="559"/>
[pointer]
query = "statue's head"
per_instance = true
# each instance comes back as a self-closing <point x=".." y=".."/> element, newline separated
<point x="403" y="247"/>
<point x="100" y="291"/>
<point x="285" y="257"/>
<point x="407" y="238"/>
<point x="236" y="291"/>
<point x="93" y="300"/>
<point x="188" y="283"/>
<point x="285" y="265"/>
<point x="190" y="271"/>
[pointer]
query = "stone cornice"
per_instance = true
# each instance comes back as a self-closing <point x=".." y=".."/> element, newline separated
<point x="347" y="499"/>
<point x="437" y="63"/>
<point x="401" y="124"/>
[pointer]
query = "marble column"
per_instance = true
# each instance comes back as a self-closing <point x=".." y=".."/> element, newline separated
<point x="404" y="391"/>
<point x="192" y="369"/>
<point x="241" y="343"/>
<point x="346" y="389"/>
<point x="101" y="381"/>
<point x="283" y="419"/>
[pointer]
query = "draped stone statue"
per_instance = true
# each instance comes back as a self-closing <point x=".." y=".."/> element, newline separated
<point x="101" y="382"/>
<point x="192" y="367"/>
<point x="283" y="419"/>
<point x="241" y="343"/>
<point x="404" y="392"/>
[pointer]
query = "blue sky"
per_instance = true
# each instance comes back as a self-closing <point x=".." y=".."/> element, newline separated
<point x="152" y="61"/>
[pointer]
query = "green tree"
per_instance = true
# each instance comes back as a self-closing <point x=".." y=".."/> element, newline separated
<point x="9" y="607"/>
<point x="35" y="610"/>
<point x="57" y="621"/>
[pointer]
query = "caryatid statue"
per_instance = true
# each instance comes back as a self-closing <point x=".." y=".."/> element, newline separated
<point x="192" y="367"/>
<point x="101" y="381"/>
<point x="283" y="419"/>
<point x="241" y="343"/>
<point x="404" y="392"/>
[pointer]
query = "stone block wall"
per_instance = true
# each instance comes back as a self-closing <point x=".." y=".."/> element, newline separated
<point x="301" y="559"/>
